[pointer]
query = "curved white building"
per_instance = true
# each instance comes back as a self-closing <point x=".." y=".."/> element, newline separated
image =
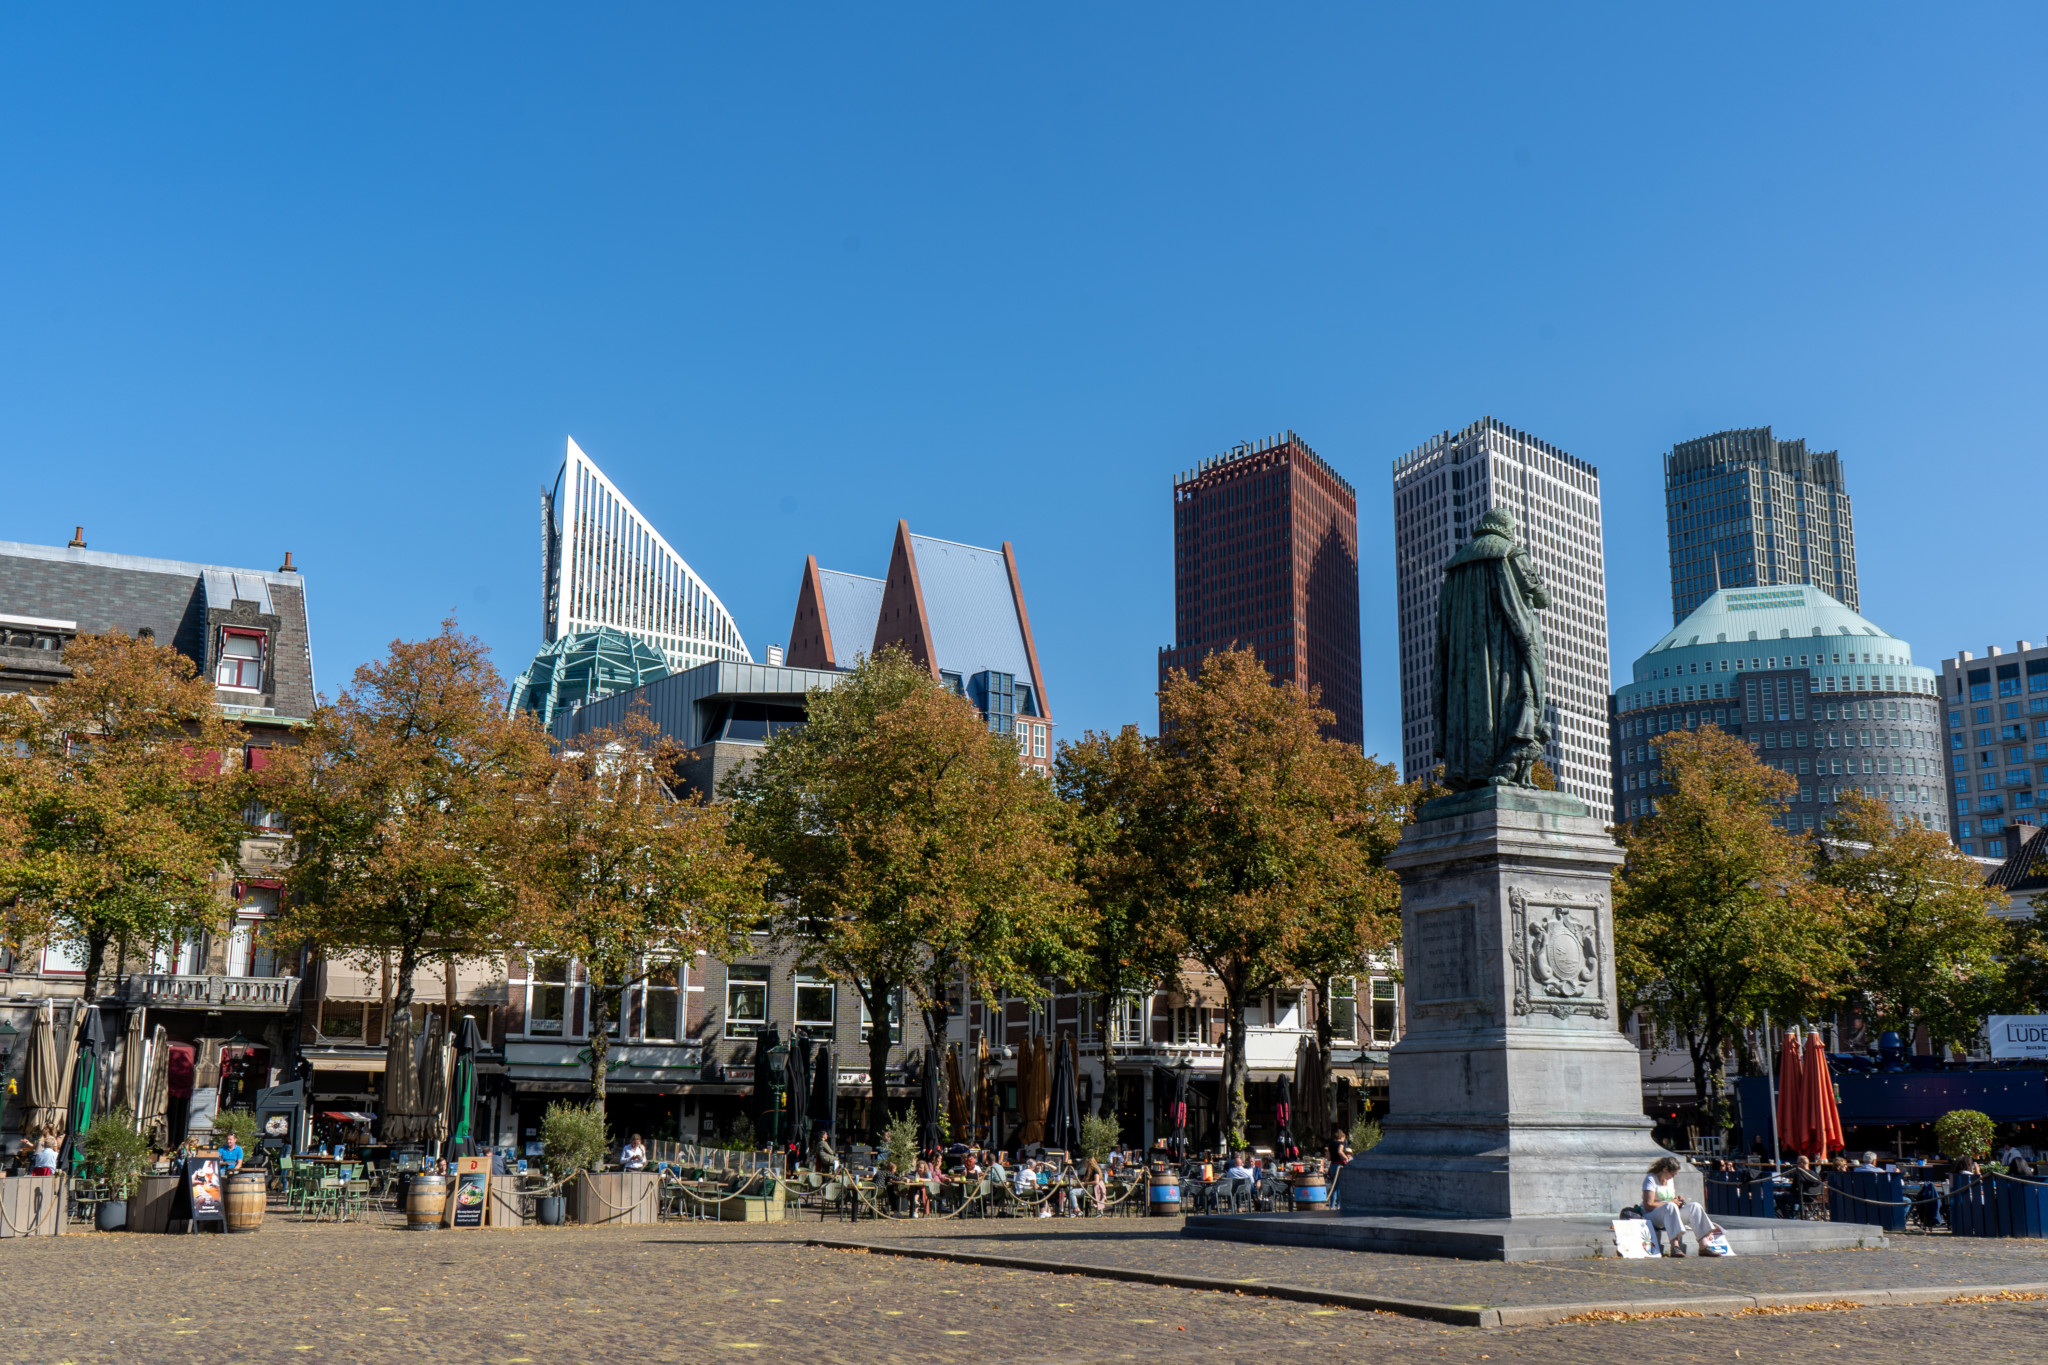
<point x="602" y="564"/>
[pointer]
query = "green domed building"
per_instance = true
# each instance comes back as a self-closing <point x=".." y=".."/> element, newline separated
<point x="578" y="669"/>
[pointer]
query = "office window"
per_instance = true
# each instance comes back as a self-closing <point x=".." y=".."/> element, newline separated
<point x="1128" y="1019"/>
<point x="1344" y="1007"/>
<point x="1385" y="1017"/>
<point x="660" y="1012"/>
<point x="817" y="1002"/>
<point x="547" y="996"/>
<point x="746" y="1001"/>
<point x="867" y="1019"/>
<point x="1190" y="1026"/>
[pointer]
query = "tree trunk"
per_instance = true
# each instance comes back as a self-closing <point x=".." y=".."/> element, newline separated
<point x="601" y="1042"/>
<point x="383" y="997"/>
<point x="95" y="960"/>
<point x="1323" y="1114"/>
<point x="1233" y="1070"/>
<point x="408" y="963"/>
<point x="934" y="1053"/>
<point x="877" y="993"/>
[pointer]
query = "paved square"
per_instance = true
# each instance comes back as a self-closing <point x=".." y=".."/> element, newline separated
<point x="709" y="1292"/>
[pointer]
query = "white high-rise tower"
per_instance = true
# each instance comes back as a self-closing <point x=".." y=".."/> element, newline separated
<point x="602" y="564"/>
<point x="1441" y="489"/>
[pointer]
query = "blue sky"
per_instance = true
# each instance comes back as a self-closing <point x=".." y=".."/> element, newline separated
<point x="340" y="281"/>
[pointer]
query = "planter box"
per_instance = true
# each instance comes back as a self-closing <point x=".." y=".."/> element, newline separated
<point x="615" y="1197"/>
<point x="32" y="1206"/>
<point x="507" y="1205"/>
<point x="751" y="1208"/>
<point x="150" y="1209"/>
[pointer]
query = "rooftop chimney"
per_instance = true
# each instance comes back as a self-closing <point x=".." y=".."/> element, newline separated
<point x="1992" y="650"/>
<point x="287" y="566"/>
<point x="775" y="656"/>
<point x="78" y="539"/>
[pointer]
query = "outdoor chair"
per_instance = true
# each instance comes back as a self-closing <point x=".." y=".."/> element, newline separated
<point x="827" y="1201"/>
<point x="326" y="1198"/>
<point x="356" y="1198"/>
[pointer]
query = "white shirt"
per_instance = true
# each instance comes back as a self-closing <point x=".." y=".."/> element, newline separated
<point x="1027" y="1180"/>
<point x="1238" y="1173"/>
<point x="45" y="1162"/>
<point x="633" y="1157"/>
<point x="1666" y="1193"/>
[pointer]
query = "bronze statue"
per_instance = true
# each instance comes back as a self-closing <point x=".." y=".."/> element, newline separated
<point x="1489" y="695"/>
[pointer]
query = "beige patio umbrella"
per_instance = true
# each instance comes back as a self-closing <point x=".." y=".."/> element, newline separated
<point x="153" y="1113"/>
<point x="133" y="1073"/>
<point x="399" y="1121"/>
<point x="44" y="1076"/>
<point x="956" y="1097"/>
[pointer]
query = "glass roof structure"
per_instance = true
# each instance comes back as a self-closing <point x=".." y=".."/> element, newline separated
<point x="578" y="669"/>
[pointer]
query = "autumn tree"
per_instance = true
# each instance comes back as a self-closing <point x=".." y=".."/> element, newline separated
<point x="1266" y="839"/>
<point x="615" y="872"/>
<point x="1925" y="938"/>
<point x="1105" y="782"/>
<point x="1717" y="917"/>
<point x="906" y="849"/>
<point x="403" y="803"/>
<point x="121" y="797"/>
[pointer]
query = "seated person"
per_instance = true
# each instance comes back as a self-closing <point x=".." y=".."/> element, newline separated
<point x="231" y="1155"/>
<point x="1027" y="1179"/>
<point x="1870" y="1164"/>
<point x="633" y="1156"/>
<point x="1672" y="1214"/>
<point x="44" y="1161"/>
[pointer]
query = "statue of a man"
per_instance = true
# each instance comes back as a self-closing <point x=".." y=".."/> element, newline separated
<point x="1490" y="696"/>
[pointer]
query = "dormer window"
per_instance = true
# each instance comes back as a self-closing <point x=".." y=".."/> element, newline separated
<point x="241" y="660"/>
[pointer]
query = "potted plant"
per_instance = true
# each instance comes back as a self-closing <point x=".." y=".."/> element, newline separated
<point x="239" y="1124"/>
<point x="121" y="1155"/>
<point x="573" y="1139"/>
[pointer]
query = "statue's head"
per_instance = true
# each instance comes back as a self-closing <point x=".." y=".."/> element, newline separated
<point x="1498" y="521"/>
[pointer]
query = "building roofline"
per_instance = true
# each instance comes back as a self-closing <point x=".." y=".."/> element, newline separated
<point x="104" y="559"/>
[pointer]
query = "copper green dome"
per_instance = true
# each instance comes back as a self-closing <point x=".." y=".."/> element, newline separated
<point x="578" y="669"/>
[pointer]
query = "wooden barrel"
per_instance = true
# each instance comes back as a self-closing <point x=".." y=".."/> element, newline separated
<point x="247" y="1194"/>
<point x="1165" y="1193"/>
<point x="1310" y="1192"/>
<point x="426" y="1200"/>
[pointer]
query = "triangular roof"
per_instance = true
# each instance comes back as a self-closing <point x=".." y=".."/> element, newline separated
<point x="835" y="617"/>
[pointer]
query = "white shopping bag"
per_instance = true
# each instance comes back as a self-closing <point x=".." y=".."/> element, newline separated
<point x="1718" y="1244"/>
<point x="1632" y="1239"/>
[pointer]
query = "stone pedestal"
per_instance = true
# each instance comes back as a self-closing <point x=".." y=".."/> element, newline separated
<point x="1513" y="1092"/>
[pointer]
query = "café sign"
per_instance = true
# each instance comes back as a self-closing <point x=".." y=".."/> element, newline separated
<point x="2018" y="1036"/>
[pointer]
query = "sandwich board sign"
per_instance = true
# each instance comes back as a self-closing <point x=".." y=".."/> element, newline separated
<point x="472" y="1190"/>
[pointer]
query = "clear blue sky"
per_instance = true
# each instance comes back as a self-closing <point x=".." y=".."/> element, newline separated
<point x="339" y="280"/>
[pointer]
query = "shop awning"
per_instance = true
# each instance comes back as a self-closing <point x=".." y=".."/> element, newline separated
<point x="348" y="1116"/>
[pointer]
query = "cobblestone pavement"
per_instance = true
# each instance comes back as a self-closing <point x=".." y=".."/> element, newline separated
<point x="706" y="1292"/>
<point x="1156" y="1244"/>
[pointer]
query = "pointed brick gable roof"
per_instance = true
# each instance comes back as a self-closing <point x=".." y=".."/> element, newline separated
<point x="904" y="622"/>
<point x="810" y="634"/>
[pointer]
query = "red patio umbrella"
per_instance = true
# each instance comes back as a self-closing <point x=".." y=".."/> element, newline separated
<point x="1822" y="1114"/>
<point x="1789" y="1069"/>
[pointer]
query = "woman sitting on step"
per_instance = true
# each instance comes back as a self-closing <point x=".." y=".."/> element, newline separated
<point x="1671" y="1213"/>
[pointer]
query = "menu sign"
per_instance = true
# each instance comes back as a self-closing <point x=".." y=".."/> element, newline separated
<point x="472" y="1190"/>
<point x="202" y="1178"/>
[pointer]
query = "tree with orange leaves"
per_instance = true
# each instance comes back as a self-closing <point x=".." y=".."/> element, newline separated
<point x="403" y="801"/>
<point x="617" y="873"/>
<point x="1717" y="916"/>
<point x="1267" y="840"/>
<point x="121" y="796"/>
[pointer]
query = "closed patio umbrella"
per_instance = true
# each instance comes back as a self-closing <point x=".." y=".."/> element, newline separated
<point x="400" y="1120"/>
<point x="1825" y="1115"/>
<point x="1312" y="1116"/>
<point x="1285" y="1148"/>
<point x="1790" y="1064"/>
<point x="957" y="1096"/>
<point x="1037" y="1063"/>
<point x="761" y="1104"/>
<point x="793" y="1140"/>
<point x="134" y="1062"/>
<point x="91" y="1050"/>
<point x="462" y="1088"/>
<point x="1064" y="1124"/>
<point x="1177" y="1111"/>
<point x="825" y="1105"/>
<point x="929" y="1143"/>
<point x="43" y="1077"/>
<point x="985" y="1092"/>
<point x="153" y="1112"/>
<point x="433" y="1107"/>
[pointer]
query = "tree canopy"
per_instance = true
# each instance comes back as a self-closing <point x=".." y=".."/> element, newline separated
<point x="121" y="798"/>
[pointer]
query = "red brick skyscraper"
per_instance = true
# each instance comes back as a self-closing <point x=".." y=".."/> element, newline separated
<point x="1265" y="555"/>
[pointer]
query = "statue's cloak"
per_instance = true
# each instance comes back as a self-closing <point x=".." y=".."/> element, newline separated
<point x="1490" y="692"/>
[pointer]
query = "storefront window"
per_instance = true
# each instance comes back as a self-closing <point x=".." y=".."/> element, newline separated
<point x="746" y="1001"/>
<point x="816" y="1004"/>
<point x="547" y="996"/>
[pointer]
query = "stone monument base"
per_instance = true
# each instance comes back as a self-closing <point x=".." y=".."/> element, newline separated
<point x="1507" y="1239"/>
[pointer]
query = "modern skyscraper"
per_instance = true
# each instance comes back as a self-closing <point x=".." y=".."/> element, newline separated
<point x="1746" y="510"/>
<point x="1265" y="555"/>
<point x="1997" y="719"/>
<point x="1820" y="693"/>
<point x="1441" y="489"/>
<point x="602" y="564"/>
